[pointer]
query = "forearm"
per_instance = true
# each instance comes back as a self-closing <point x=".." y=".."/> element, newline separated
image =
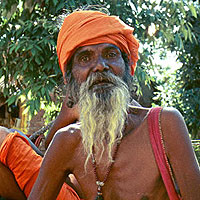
<point x="61" y="121"/>
<point x="53" y="172"/>
<point x="66" y="116"/>
<point x="9" y="188"/>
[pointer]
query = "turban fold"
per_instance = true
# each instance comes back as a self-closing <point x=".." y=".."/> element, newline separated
<point x="83" y="28"/>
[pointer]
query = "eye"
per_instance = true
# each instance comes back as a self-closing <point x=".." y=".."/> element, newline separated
<point x="111" y="54"/>
<point x="84" y="59"/>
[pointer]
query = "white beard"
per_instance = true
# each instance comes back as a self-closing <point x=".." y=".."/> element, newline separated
<point x="103" y="111"/>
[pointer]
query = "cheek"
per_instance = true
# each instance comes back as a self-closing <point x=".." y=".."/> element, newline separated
<point x="75" y="73"/>
<point x="119" y="68"/>
<point x="80" y="75"/>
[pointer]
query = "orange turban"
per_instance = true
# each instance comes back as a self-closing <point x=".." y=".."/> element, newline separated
<point x="83" y="28"/>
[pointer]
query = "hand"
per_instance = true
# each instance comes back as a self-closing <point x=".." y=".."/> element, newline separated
<point x="68" y="107"/>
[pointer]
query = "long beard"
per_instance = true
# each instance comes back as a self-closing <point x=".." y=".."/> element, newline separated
<point x="103" y="111"/>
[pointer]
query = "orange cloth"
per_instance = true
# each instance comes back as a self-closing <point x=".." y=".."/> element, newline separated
<point x="19" y="157"/>
<point x="83" y="28"/>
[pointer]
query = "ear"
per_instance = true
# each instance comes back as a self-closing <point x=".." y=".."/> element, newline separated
<point x="65" y="81"/>
<point x="66" y="78"/>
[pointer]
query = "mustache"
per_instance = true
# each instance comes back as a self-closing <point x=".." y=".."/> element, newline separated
<point x="103" y="77"/>
<point x="93" y="79"/>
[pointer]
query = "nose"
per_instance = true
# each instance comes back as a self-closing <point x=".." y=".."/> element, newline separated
<point x="100" y="65"/>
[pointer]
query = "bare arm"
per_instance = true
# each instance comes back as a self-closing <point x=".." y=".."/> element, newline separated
<point x="66" y="116"/>
<point x="8" y="186"/>
<point x="55" y="167"/>
<point x="180" y="153"/>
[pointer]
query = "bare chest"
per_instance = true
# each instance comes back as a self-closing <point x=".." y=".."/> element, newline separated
<point x="134" y="174"/>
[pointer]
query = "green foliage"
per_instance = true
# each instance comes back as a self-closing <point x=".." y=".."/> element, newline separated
<point x="28" y="47"/>
<point x="196" y="146"/>
<point x="182" y="89"/>
<point x="188" y="79"/>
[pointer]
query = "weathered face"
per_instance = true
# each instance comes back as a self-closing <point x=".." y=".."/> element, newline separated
<point x="103" y="98"/>
<point x="97" y="58"/>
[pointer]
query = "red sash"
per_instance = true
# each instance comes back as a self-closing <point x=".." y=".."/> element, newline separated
<point x="159" y="152"/>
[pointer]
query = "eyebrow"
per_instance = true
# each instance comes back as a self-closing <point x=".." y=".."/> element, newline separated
<point x="113" y="47"/>
<point x="82" y="52"/>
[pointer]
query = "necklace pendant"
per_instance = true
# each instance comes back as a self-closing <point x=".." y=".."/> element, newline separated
<point x="100" y="183"/>
<point x="99" y="197"/>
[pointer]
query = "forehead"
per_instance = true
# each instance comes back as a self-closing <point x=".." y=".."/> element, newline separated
<point x="96" y="47"/>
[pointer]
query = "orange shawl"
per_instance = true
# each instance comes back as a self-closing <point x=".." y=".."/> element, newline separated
<point x="83" y="28"/>
<point x="19" y="157"/>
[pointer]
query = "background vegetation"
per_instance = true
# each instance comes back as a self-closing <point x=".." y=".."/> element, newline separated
<point x="29" y="66"/>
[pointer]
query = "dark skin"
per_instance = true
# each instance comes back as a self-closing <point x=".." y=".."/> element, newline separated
<point x="68" y="116"/>
<point x="134" y="174"/>
<point x="9" y="188"/>
<point x="65" y="117"/>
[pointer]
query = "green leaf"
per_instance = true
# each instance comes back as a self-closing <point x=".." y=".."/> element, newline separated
<point x="60" y="6"/>
<point x="55" y="2"/>
<point x="17" y="48"/>
<point x="37" y="88"/>
<point x="179" y="41"/>
<point x="194" y="38"/>
<point x="185" y="33"/>
<point x="54" y="82"/>
<point x="193" y="10"/>
<point x="26" y="110"/>
<point x="72" y="3"/>
<point x="32" y="107"/>
<point x="37" y="47"/>
<point x="19" y="32"/>
<point x="52" y="42"/>
<point x="11" y="100"/>
<point x="189" y="33"/>
<point x="12" y="48"/>
<point x="37" y="60"/>
<point x="33" y="51"/>
<point x="43" y="91"/>
<point x="25" y="65"/>
<point x="29" y="47"/>
<point x="21" y="22"/>
<point x="37" y="104"/>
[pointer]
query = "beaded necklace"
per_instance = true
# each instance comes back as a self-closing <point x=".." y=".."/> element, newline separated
<point x="99" y="183"/>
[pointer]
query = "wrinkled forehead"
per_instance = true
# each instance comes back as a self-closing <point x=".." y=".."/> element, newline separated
<point x="95" y="47"/>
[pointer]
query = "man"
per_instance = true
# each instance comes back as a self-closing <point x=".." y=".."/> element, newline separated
<point x="110" y="150"/>
<point x="115" y="151"/>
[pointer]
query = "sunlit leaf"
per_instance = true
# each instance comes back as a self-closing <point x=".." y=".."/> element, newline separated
<point x="193" y="10"/>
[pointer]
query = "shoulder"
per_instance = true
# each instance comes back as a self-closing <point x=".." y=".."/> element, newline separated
<point x="174" y="129"/>
<point x="67" y="138"/>
<point x="63" y="146"/>
<point x="171" y="119"/>
<point x="70" y="131"/>
<point x="138" y="110"/>
<point x="136" y="117"/>
<point x="169" y="113"/>
<point x="3" y="133"/>
<point x="4" y="130"/>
